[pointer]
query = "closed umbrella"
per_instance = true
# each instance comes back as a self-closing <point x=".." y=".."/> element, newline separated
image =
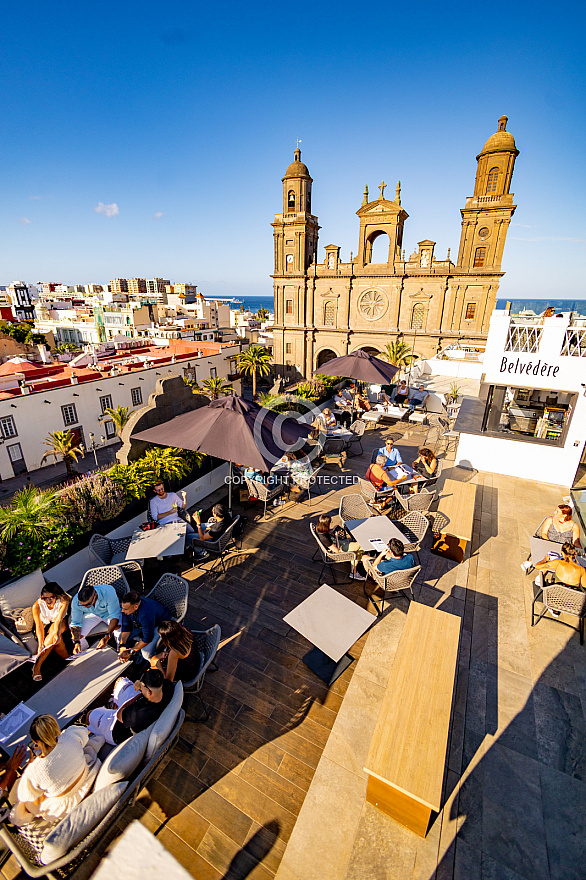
<point x="233" y="429"/>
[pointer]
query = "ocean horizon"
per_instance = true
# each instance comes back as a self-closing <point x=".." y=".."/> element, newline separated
<point x="540" y="305"/>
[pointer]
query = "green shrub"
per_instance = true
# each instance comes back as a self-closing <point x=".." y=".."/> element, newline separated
<point x="158" y="463"/>
<point x="91" y="499"/>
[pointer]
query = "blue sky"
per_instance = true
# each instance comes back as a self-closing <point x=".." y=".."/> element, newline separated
<point x="177" y="121"/>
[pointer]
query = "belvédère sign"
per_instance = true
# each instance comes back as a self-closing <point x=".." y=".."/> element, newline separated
<point x="517" y="367"/>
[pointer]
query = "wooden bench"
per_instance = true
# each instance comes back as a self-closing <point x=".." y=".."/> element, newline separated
<point x="456" y="514"/>
<point x="407" y="755"/>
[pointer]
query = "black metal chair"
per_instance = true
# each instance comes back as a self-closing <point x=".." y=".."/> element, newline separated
<point x="357" y="428"/>
<point x="207" y="642"/>
<point x="112" y="551"/>
<point x="219" y="547"/>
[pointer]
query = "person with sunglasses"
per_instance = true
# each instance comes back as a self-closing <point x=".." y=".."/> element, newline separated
<point x="50" y="617"/>
<point x="137" y="706"/>
<point x="92" y="607"/>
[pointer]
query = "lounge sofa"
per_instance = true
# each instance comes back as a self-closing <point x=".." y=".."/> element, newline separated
<point x="124" y="772"/>
<point x="16" y="599"/>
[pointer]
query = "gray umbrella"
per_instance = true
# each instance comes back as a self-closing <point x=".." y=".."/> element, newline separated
<point x="233" y="429"/>
<point x="361" y="366"/>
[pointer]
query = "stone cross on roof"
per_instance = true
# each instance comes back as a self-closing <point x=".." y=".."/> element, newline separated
<point x="382" y="186"/>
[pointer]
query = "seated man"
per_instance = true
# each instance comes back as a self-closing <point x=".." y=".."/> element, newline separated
<point x="141" y="617"/>
<point x="91" y="607"/>
<point x="392" y="455"/>
<point x="137" y="705"/>
<point x="214" y="528"/>
<point x="342" y="402"/>
<point x="418" y="398"/>
<point x="377" y="475"/>
<point x="165" y="506"/>
<point x="393" y="558"/>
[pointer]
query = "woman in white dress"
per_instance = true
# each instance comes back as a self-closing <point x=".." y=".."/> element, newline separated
<point x="60" y="776"/>
<point x="50" y="616"/>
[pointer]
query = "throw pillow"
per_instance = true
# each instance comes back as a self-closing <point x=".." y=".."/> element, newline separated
<point x="163" y="726"/>
<point x="22" y="619"/>
<point x="123" y="760"/>
<point x="78" y="824"/>
<point x="23" y="593"/>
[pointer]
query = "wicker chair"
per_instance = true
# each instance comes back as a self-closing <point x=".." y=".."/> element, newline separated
<point x="218" y="547"/>
<point x="112" y="551"/>
<point x="444" y="433"/>
<point x="263" y="492"/>
<point x="309" y="482"/>
<point x="562" y="599"/>
<point x="330" y="559"/>
<point x="395" y="582"/>
<point x="431" y="481"/>
<point x="354" y="507"/>
<point x="107" y="574"/>
<point x="333" y="450"/>
<point x="172" y="591"/>
<point x="414" y="526"/>
<point x="422" y="501"/>
<point x="207" y="642"/>
<point x="357" y="428"/>
<point x="370" y="494"/>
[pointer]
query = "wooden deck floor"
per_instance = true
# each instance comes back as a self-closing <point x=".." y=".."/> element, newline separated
<point x="227" y="808"/>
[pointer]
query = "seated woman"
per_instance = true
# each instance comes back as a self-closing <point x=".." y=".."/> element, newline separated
<point x="426" y="466"/>
<point x="566" y="571"/>
<point x="361" y="404"/>
<point x="336" y="541"/>
<point x="181" y="659"/>
<point x="402" y="393"/>
<point x="559" y="526"/>
<point x="51" y="628"/>
<point x="260" y="477"/>
<point x="328" y="418"/>
<point x="60" y="776"/>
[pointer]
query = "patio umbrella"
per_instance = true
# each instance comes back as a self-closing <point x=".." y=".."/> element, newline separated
<point x="361" y="366"/>
<point x="233" y="429"/>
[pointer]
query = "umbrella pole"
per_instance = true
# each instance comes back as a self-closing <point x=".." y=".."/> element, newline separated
<point x="230" y="489"/>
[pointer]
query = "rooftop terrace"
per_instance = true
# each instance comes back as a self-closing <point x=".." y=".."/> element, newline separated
<point x="515" y="797"/>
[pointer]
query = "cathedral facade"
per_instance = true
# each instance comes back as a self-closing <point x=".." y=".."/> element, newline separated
<point x="325" y="310"/>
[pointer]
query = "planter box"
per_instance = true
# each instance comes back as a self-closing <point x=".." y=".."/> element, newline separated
<point x="70" y="571"/>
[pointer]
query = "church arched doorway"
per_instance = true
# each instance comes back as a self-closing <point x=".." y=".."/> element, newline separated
<point x="324" y="356"/>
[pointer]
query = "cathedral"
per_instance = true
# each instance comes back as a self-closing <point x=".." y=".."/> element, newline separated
<point x="325" y="310"/>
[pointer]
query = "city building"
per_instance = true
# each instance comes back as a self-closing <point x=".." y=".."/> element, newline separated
<point x="529" y="419"/>
<point x="326" y="309"/>
<point x="22" y="297"/>
<point x="38" y="398"/>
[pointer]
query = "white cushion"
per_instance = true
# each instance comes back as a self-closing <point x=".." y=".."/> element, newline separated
<point x="163" y="726"/>
<point x="117" y="558"/>
<point x="122" y="760"/>
<point x="22" y="593"/>
<point x="80" y="822"/>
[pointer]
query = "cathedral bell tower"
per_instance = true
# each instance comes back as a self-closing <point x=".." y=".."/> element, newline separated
<point x="296" y="229"/>
<point x="486" y="217"/>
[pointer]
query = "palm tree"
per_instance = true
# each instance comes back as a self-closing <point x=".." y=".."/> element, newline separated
<point x="30" y="514"/>
<point x="120" y="415"/>
<point x="255" y="359"/>
<point x="61" y="443"/>
<point x="398" y="353"/>
<point x="213" y="387"/>
<point x="262" y="314"/>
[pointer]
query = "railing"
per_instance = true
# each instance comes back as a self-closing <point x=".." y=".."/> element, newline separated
<point x="574" y="344"/>
<point x="523" y="338"/>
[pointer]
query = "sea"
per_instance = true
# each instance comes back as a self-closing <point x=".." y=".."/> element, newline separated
<point x="538" y="306"/>
<point x="254" y="303"/>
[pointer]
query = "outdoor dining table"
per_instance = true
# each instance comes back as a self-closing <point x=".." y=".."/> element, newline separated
<point x="333" y="624"/>
<point x="70" y="693"/>
<point x="165" y="540"/>
<point x="396" y="473"/>
<point x="339" y="434"/>
<point x="363" y="530"/>
<point x="540" y="548"/>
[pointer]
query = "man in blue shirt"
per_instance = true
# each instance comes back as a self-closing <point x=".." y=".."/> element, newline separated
<point x="394" y="558"/>
<point x="141" y="617"/>
<point x="418" y="398"/>
<point x="392" y="455"/>
<point x="91" y="607"/>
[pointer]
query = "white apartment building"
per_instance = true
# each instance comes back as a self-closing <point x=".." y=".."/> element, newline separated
<point x="58" y="398"/>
